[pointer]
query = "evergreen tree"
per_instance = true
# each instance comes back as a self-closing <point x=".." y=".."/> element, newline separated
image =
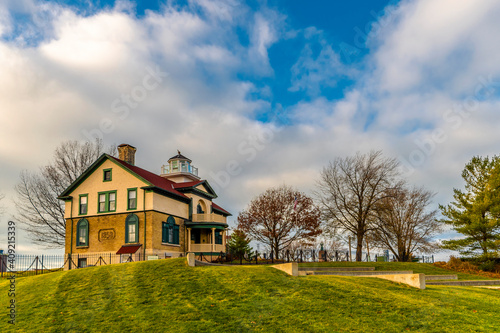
<point x="475" y="212"/>
<point x="238" y="245"/>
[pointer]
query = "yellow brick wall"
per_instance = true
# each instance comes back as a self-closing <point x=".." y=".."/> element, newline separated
<point x="102" y="227"/>
<point x="106" y="233"/>
<point x="156" y="235"/>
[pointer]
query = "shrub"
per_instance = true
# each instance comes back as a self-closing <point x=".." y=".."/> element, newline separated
<point x="488" y="266"/>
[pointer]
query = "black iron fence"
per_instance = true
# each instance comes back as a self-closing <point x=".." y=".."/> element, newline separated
<point x="301" y="255"/>
<point x="26" y="265"/>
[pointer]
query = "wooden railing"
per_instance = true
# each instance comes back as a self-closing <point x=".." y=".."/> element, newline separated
<point x="208" y="218"/>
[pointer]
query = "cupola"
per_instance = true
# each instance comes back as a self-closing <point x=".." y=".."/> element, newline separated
<point x="179" y="169"/>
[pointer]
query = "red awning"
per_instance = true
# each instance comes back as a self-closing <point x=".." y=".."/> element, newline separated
<point x="128" y="249"/>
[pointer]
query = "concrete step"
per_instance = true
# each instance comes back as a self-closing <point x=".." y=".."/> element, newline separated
<point x="465" y="283"/>
<point x="441" y="277"/>
<point x="336" y="269"/>
<point x="357" y="273"/>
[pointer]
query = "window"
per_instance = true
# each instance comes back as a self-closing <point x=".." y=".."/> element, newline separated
<point x="200" y="209"/>
<point x="82" y="262"/>
<point x="170" y="232"/>
<point x="132" y="229"/>
<point x="175" y="166"/>
<point x="107" y="201"/>
<point x="132" y="198"/>
<point x="218" y="237"/>
<point x="83" y="204"/>
<point x="106" y="175"/>
<point x="82" y="233"/>
<point x="184" y="166"/>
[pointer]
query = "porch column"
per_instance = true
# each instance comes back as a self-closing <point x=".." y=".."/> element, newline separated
<point x="213" y="239"/>
<point x="189" y="239"/>
<point x="224" y="238"/>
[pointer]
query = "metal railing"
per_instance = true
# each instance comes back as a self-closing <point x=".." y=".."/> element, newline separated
<point x="166" y="169"/>
<point x="27" y="265"/>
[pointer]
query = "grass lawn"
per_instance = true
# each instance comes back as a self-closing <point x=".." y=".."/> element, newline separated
<point x="168" y="296"/>
<point x="427" y="269"/>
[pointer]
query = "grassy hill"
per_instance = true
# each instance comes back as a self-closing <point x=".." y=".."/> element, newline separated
<point x="166" y="295"/>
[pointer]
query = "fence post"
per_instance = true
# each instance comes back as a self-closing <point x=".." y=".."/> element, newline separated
<point x="325" y="256"/>
<point x="301" y="257"/>
<point x="42" y="263"/>
<point x="36" y="265"/>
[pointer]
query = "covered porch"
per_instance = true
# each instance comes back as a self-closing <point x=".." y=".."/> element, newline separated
<point x="206" y="238"/>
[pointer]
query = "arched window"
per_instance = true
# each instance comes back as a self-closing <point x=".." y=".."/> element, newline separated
<point x="82" y="233"/>
<point x="200" y="209"/>
<point x="132" y="229"/>
<point x="170" y="232"/>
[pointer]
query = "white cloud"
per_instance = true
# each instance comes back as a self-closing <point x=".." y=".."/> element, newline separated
<point x="313" y="72"/>
<point x="424" y="61"/>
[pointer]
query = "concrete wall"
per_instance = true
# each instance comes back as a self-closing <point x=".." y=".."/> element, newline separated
<point x="414" y="280"/>
<point x="290" y="268"/>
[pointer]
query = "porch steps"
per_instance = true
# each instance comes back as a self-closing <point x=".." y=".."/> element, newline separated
<point x="473" y="283"/>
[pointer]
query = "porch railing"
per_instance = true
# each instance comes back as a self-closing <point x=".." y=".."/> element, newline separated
<point x="207" y="248"/>
<point x="208" y="218"/>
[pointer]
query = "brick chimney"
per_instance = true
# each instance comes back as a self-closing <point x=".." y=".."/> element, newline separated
<point x="126" y="153"/>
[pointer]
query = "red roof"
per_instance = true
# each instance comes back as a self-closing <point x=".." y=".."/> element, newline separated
<point x="187" y="184"/>
<point x="220" y="208"/>
<point x="128" y="249"/>
<point x="156" y="180"/>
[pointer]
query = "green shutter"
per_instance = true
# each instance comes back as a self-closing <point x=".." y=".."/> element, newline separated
<point x="164" y="232"/>
<point x="176" y="234"/>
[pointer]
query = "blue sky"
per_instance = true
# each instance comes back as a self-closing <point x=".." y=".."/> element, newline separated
<point x="279" y="87"/>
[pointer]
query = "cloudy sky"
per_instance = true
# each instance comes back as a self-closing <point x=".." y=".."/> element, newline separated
<point x="256" y="93"/>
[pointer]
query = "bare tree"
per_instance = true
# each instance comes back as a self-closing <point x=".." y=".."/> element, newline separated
<point x="37" y="205"/>
<point x="349" y="190"/>
<point x="279" y="217"/>
<point x="404" y="223"/>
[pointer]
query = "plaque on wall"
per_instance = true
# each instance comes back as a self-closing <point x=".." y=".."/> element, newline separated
<point x="106" y="234"/>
